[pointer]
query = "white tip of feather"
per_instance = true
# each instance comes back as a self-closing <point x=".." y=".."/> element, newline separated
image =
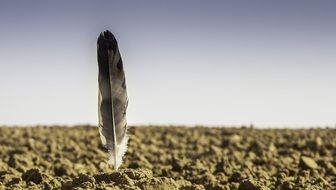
<point x="121" y="150"/>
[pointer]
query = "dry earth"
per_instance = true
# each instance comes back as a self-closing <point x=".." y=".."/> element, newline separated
<point x="168" y="158"/>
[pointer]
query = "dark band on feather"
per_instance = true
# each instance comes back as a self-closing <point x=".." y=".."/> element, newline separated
<point x="106" y="40"/>
<point x="120" y="65"/>
<point x="124" y="84"/>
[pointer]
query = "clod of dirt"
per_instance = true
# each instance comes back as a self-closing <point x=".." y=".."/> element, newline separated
<point x="121" y="179"/>
<point x="206" y="178"/>
<point x="192" y="187"/>
<point x="251" y="185"/>
<point x="308" y="163"/>
<point x="33" y="175"/>
<point x="315" y="144"/>
<point x="287" y="185"/>
<point x="235" y="177"/>
<point x="83" y="181"/>
<point x="139" y="174"/>
<point x="161" y="183"/>
<point x="178" y="164"/>
<point x="330" y="168"/>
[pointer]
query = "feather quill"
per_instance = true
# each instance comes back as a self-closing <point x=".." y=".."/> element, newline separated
<point x="112" y="98"/>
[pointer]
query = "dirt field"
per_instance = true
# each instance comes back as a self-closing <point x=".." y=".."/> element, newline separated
<point x="168" y="158"/>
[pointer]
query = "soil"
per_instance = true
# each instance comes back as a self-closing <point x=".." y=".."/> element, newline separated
<point x="168" y="158"/>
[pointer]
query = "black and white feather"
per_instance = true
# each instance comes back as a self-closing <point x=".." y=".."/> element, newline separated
<point x="112" y="98"/>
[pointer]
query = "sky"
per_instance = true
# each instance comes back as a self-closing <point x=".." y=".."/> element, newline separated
<point x="214" y="63"/>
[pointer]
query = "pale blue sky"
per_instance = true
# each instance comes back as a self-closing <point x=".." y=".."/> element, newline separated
<point x="270" y="63"/>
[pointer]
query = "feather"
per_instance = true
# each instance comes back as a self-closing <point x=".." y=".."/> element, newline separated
<point x="112" y="98"/>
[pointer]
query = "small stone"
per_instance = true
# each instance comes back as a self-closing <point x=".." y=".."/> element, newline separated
<point x="233" y="139"/>
<point x="308" y="163"/>
<point x="251" y="155"/>
<point x="272" y="148"/>
<point x="318" y="141"/>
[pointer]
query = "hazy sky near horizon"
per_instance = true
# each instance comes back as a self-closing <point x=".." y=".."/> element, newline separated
<point x="270" y="63"/>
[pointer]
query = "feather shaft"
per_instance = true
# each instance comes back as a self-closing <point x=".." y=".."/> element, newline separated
<point x="113" y="127"/>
